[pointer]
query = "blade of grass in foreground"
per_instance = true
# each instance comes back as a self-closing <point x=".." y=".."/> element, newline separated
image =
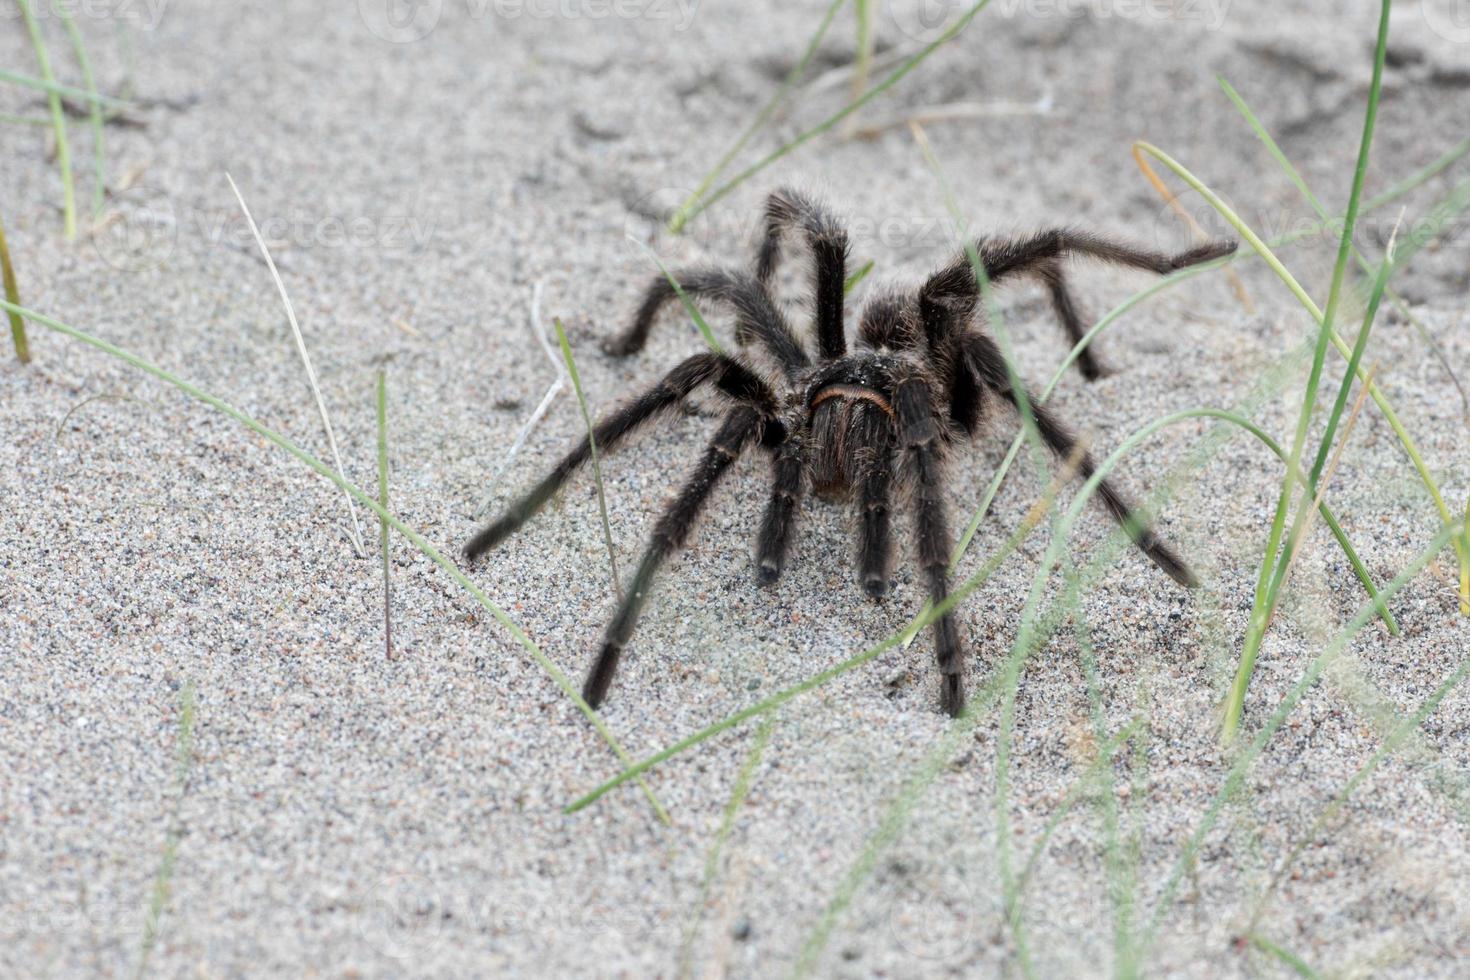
<point x="1274" y="561"/>
<point x="42" y="85"/>
<point x="727" y="827"/>
<point x="1455" y="202"/>
<point x="1287" y="958"/>
<point x="686" y="210"/>
<point x="1235" y="777"/>
<point x="99" y="154"/>
<point x="322" y="469"/>
<point x="163" y="878"/>
<point x="58" y="121"/>
<point x="12" y="293"/>
<point x="534" y="322"/>
<point x="316" y="391"/>
<point x="1028" y="635"/>
<point x="566" y="354"/>
<point x="1407" y="441"/>
<point x="923" y="619"/>
<point x="689" y="307"/>
<point x="950" y="33"/>
<point x="384" y="541"/>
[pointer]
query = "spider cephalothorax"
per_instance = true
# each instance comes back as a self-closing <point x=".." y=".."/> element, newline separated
<point x="851" y="425"/>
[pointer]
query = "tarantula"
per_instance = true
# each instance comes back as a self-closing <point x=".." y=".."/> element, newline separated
<point x="922" y="377"/>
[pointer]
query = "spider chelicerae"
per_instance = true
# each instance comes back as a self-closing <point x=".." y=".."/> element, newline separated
<point x="862" y="423"/>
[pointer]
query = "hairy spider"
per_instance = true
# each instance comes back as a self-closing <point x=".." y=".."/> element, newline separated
<point x="922" y="377"/>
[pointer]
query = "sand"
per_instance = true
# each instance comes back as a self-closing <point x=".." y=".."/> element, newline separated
<point x="345" y="814"/>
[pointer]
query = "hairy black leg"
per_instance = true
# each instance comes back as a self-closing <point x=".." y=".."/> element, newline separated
<point x="1041" y="256"/>
<point x="1050" y="272"/>
<point x="872" y="469"/>
<point x="1004" y="257"/>
<point x="825" y="236"/>
<point x="741" y="427"/>
<point x="921" y="455"/>
<point x="757" y="317"/>
<point x="788" y="471"/>
<point x="989" y="365"/>
<point x="727" y="374"/>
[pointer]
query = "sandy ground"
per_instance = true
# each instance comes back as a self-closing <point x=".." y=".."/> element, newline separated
<point x="348" y="815"/>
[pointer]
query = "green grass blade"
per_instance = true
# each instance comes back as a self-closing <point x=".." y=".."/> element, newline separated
<point x="893" y="79"/>
<point x="12" y="294"/>
<point x="687" y="209"/>
<point x="1391" y="744"/>
<point x="335" y="478"/>
<point x="384" y="539"/>
<point x="13" y="120"/>
<point x="689" y="307"/>
<point x="852" y="281"/>
<point x="1247" y="757"/>
<point x="94" y="105"/>
<point x="738" y="795"/>
<point x="1290" y="960"/>
<point x="163" y="877"/>
<point x="566" y="355"/>
<point x="1273" y="563"/>
<point x="50" y="86"/>
<point x="58" y="121"/>
<point x="925" y="617"/>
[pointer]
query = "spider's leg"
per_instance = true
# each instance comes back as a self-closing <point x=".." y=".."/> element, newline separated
<point x="1041" y="255"/>
<point x="827" y="239"/>
<point x="788" y="471"/>
<point x="872" y="464"/>
<point x="757" y="317"/>
<point x="988" y="363"/>
<point x="727" y="374"/>
<point x="1051" y="274"/>
<point x="740" y="428"/>
<point x="920" y="454"/>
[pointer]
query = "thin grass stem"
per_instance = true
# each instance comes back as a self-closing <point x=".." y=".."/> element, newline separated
<point x="687" y="210"/>
<point x="949" y="34"/>
<point x="12" y="294"/>
<point x="316" y="391"/>
<point x="419" y="542"/>
<point x="94" y="106"/>
<point x="384" y="540"/>
<point x="163" y="877"/>
<point x="566" y="354"/>
<point x="58" y="121"/>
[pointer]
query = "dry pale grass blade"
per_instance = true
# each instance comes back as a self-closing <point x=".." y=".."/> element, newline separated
<point x="316" y="390"/>
<point x="534" y="323"/>
<point x="1236" y="283"/>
